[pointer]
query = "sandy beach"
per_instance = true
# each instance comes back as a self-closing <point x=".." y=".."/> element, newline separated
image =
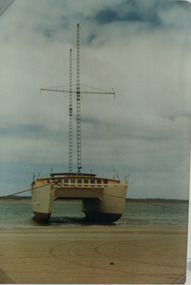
<point x="93" y="254"/>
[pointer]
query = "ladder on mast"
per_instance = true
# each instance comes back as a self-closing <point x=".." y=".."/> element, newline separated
<point x="70" y="120"/>
<point x="78" y="93"/>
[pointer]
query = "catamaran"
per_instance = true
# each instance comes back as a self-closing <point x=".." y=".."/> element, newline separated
<point x="103" y="199"/>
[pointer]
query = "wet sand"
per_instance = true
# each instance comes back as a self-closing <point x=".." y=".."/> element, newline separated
<point x="93" y="254"/>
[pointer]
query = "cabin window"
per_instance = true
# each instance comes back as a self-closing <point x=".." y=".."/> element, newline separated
<point x="80" y="182"/>
<point x="59" y="180"/>
<point x="105" y="181"/>
<point x="66" y="180"/>
<point x="73" y="181"/>
<point x="86" y="182"/>
<point x="92" y="181"/>
<point x="99" y="182"/>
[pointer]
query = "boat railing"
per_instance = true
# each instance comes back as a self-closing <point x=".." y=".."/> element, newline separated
<point x="70" y="185"/>
<point x="90" y="182"/>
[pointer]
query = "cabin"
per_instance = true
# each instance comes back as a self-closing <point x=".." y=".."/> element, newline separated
<point x="75" y="180"/>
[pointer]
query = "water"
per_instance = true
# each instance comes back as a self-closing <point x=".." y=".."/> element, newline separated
<point x="18" y="213"/>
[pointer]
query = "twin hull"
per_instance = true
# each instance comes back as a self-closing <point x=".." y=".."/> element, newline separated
<point x="98" y="203"/>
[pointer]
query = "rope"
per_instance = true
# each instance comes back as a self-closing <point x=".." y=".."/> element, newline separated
<point x="3" y="197"/>
<point x="13" y="194"/>
<point x="157" y="205"/>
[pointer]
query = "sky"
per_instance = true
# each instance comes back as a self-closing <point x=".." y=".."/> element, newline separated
<point x="139" y="49"/>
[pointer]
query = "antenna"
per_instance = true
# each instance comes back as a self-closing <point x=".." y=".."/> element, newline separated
<point x="33" y="178"/>
<point x="78" y="93"/>
<point x="39" y="173"/>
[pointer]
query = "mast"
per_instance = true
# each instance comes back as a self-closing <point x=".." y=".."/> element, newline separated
<point x="70" y="119"/>
<point x="78" y="93"/>
<point x="78" y="103"/>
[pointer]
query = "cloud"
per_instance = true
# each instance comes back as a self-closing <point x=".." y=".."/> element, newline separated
<point x="139" y="48"/>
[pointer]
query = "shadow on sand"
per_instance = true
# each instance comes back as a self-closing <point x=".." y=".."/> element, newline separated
<point x="70" y="220"/>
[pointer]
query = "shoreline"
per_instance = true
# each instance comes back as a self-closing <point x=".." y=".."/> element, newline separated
<point x="128" y="200"/>
<point x="97" y="254"/>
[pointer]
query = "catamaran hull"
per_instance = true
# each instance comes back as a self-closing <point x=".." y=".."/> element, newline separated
<point x="109" y="207"/>
<point x="104" y="204"/>
<point x="42" y="202"/>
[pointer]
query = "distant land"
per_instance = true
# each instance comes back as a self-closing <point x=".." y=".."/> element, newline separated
<point x="157" y="200"/>
<point x="128" y="200"/>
